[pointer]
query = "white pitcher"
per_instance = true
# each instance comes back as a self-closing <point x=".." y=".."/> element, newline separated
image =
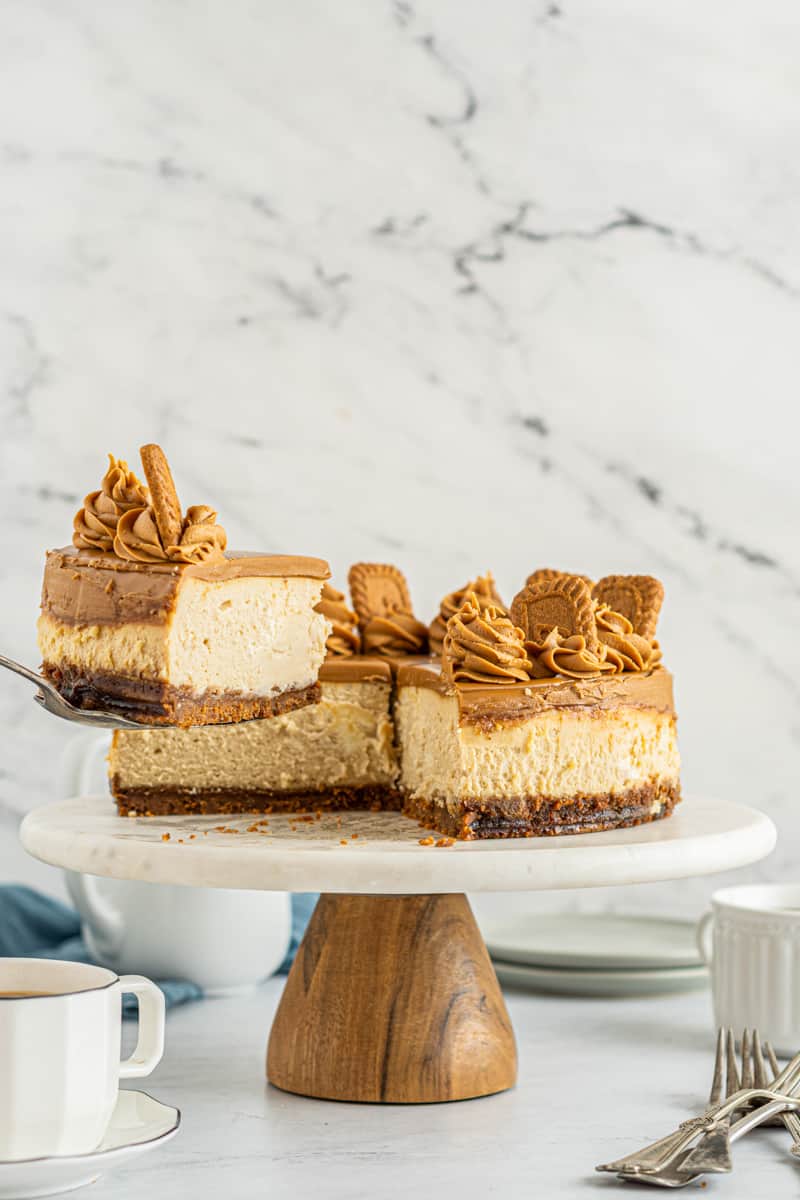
<point x="221" y="939"/>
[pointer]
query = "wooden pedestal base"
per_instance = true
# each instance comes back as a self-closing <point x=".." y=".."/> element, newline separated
<point x="392" y="999"/>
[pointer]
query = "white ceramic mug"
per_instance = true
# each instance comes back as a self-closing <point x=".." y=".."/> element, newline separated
<point x="223" y="940"/>
<point x="751" y="942"/>
<point x="60" y="1053"/>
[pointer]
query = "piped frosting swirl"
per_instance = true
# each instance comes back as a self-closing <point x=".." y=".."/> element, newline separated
<point x="555" y="653"/>
<point x="398" y="632"/>
<point x="483" y="646"/>
<point x="95" y="524"/>
<point x="483" y="589"/>
<point x="628" y="651"/>
<point x="344" y="639"/>
<point x="201" y="539"/>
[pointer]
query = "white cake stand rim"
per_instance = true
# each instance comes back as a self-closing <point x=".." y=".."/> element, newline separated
<point x="703" y="836"/>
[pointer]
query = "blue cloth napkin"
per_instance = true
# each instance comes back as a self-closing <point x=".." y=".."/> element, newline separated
<point x="33" y="925"/>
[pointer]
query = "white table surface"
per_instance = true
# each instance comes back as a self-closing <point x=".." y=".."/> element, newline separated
<point x="597" y="1077"/>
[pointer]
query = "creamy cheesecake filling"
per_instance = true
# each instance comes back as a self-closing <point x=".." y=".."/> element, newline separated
<point x="255" y="636"/>
<point x="556" y="753"/>
<point x="344" y="741"/>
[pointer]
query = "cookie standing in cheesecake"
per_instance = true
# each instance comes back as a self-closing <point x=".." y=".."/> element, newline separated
<point x="149" y="615"/>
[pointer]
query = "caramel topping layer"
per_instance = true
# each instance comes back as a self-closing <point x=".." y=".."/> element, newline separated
<point x="95" y="524"/>
<point x="87" y="588"/>
<point x="397" y="633"/>
<point x="485" y="592"/>
<point x="483" y="646"/>
<point x="487" y="704"/>
<point x="357" y="668"/>
<point x="344" y="639"/>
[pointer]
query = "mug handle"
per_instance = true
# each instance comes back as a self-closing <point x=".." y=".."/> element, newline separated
<point x="150" y="1042"/>
<point x="703" y="937"/>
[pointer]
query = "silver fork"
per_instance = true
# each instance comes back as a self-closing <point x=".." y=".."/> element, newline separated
<point x="705" y="1156"/>
<point x="657" y="1154"/>
<point x="789" y="1119"/>
<point x="716" y="1144"/>
<point x="675" y="1176"/>
<point x="712" y="1123"/>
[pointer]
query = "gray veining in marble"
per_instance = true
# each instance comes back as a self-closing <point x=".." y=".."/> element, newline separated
<point x="458" y="286"/>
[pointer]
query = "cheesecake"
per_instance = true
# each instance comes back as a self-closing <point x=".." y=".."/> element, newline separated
<point x="148" y="615"/>
<point x="553" y="716"/>
<point x="337" y="754"/>
<point x="556" y="719"/>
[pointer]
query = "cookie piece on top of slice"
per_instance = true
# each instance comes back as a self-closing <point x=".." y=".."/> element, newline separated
<point x="386" y="618"/>
<point x="148" y="615"/>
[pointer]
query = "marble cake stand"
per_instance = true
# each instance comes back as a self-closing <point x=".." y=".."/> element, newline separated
<point x="392" y="996"/>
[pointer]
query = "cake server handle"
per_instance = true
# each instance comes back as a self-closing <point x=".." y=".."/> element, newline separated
<point x="18" y="669"/>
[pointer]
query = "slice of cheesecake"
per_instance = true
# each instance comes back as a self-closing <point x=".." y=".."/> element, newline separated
<point x="336" y="754"/>
<point x="562" y="724"/>
<point x="543" y="757"/>
<point x="148" y="616"/>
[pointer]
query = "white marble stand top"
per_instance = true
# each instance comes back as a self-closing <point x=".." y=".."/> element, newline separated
<point x="381" y="852"/>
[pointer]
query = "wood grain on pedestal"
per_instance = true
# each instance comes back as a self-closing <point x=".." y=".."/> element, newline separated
<point x="392" y="999"/>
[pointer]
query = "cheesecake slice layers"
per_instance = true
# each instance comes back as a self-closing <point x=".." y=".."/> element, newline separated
<point x="183" y="643"/>
<point x="535" y="758"/>
<point x="338" y="753"/>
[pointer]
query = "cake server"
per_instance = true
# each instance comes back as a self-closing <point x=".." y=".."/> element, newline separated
<point x="53" y="702"/>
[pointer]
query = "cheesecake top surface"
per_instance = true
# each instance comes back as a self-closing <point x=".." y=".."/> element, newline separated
<point x="355" y="668"/>
<point x="481" y="704"/>
<point x="96" y="588"/>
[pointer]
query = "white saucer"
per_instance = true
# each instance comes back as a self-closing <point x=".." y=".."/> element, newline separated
<point x="138" y="1123"/>
<point x="614" y="983"/>
<point x="603" y="941"/>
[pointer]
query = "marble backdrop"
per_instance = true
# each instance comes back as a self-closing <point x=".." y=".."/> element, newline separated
<point x="454" y="285"/>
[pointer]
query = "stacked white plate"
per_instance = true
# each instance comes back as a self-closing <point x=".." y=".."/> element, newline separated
<point x="596" y="955"/>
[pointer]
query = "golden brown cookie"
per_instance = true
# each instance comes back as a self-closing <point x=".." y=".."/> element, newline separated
<point x="544" y="574"/>
<point x="166" y="505"/>
<point x="563" y="603"/>
<point x="378" y="589"/>
<point x="637" y="597"/>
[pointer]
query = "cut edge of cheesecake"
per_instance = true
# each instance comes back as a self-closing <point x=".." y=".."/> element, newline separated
<point x="173" y="644"/>
<point x="532" y="759"/>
